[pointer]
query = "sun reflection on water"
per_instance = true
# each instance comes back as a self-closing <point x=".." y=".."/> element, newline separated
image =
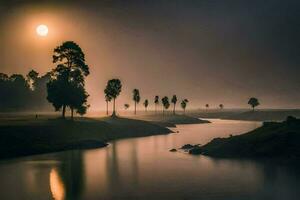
<point x="56" y="185"/>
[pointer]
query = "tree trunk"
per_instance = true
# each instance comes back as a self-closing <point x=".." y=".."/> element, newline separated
<point x="64" y="112"/>
<point x="72" y="113"/>
<point x="174" y="109"/>
<point x="106" y="107"/>
<point x="135" y="107"/>
<point x="155" y="108"/>
<point x="253" y="108"/>
<point x="114" y="108"/>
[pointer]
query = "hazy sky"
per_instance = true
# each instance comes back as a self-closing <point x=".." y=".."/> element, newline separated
<point x="207" y="51"/>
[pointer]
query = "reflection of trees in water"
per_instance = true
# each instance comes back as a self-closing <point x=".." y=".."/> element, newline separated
<point x="67" y="179"/>
<point x="112" y="168"/>
<point x="135" y="167"/>
<point x="118" y="186"/>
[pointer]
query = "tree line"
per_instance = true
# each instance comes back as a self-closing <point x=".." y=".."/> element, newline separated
<point x="114" y="88"/>
<point x="19" y="93"/>
<point x="64" y="87"/>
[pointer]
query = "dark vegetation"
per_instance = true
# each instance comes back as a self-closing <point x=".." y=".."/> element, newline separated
<point x="66" y="85"/>
<point x="19" y="93"/>
<point x="112" y="91"/>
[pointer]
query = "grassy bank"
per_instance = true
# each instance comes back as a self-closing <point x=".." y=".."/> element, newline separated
<point x="170" y="120"/>
<point x="272" y="140"/>
<point x="27" y="135"/>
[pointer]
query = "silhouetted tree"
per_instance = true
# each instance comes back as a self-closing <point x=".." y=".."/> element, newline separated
<point x="136" y="98"/>
<point x="184" y="104"/>
<point x="32" y="76"/>
<point x="113" y="90"/>
<point x="146" y="103"/>
<point x="253" y="102"/>
<point x="18" y="93"/>
<point x="166" y="104"/>
<point x="156" y="102"/>
<point x="39" y="89"/>
<point x="107" y="99"/>
<point x="221" y="106"/>
<point x="174" y="101"/>
<point x="126" y="106"/>
<point x="78" y="99"/>
<point x="68" y="78"/>
<point x="207" y="106"/>
<point x="15" y="92"/>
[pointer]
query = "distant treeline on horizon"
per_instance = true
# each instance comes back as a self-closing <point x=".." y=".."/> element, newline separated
<point x="19" y="93"/>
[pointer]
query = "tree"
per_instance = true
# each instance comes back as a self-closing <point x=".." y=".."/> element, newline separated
<point x="174" y="101"/>
<point x="20" y="93"/>
<point x="66" y="86"/>
<point x="107" y="99"/>
<point x="221" y="106"/>
<point x="166" y="104"/>
<point x="253" y="102"/>
<point x="184" y="104"/>
<point x="207" y="106"/>
<point x="113" y="90"/>
<point x="146" y="103"/>
<point x="126" y="106"/>
<point x="156" y="102"/>
<point x="136" y="98"/>
<point x="78" y="99"/>
<point x="32" y="76"/>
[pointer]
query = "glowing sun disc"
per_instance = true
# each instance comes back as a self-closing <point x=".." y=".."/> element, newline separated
<point x="42" y="30"/>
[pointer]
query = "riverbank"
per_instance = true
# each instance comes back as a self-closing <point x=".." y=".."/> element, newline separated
<point x="276" y="140"/>
<point x="257" y="115"/>
<point x="170" y="120"/>
<point x="27" y="136"/>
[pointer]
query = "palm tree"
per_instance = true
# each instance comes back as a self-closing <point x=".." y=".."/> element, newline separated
<point x="174" y="101"/>
<point x="113" y="90"/>
<point x="207" y="106"/>
<point x="146" y="103"/>
<point x="221" y="106"/>
<point x="136" y="98"/>
<point x="184" y="104"/>
<point x="166" y="104"/>
<point x="126" y="106"/>
<point x="253" y="102"/>
<point x="156" y="102"/>
<point x="107" y="99"/>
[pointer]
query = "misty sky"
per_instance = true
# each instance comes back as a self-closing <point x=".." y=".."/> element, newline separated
<point x="207" y="51"/>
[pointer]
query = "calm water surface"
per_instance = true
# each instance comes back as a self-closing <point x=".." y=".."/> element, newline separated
<point x="143" y="168"/>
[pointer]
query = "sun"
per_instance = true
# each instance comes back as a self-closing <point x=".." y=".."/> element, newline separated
<point x="42" y="30"/>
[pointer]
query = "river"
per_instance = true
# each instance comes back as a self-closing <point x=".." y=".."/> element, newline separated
<point x="143" y="168"/>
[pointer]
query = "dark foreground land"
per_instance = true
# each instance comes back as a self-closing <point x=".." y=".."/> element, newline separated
<point x="279" y="140"/>
<point x="25" y="135"/>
